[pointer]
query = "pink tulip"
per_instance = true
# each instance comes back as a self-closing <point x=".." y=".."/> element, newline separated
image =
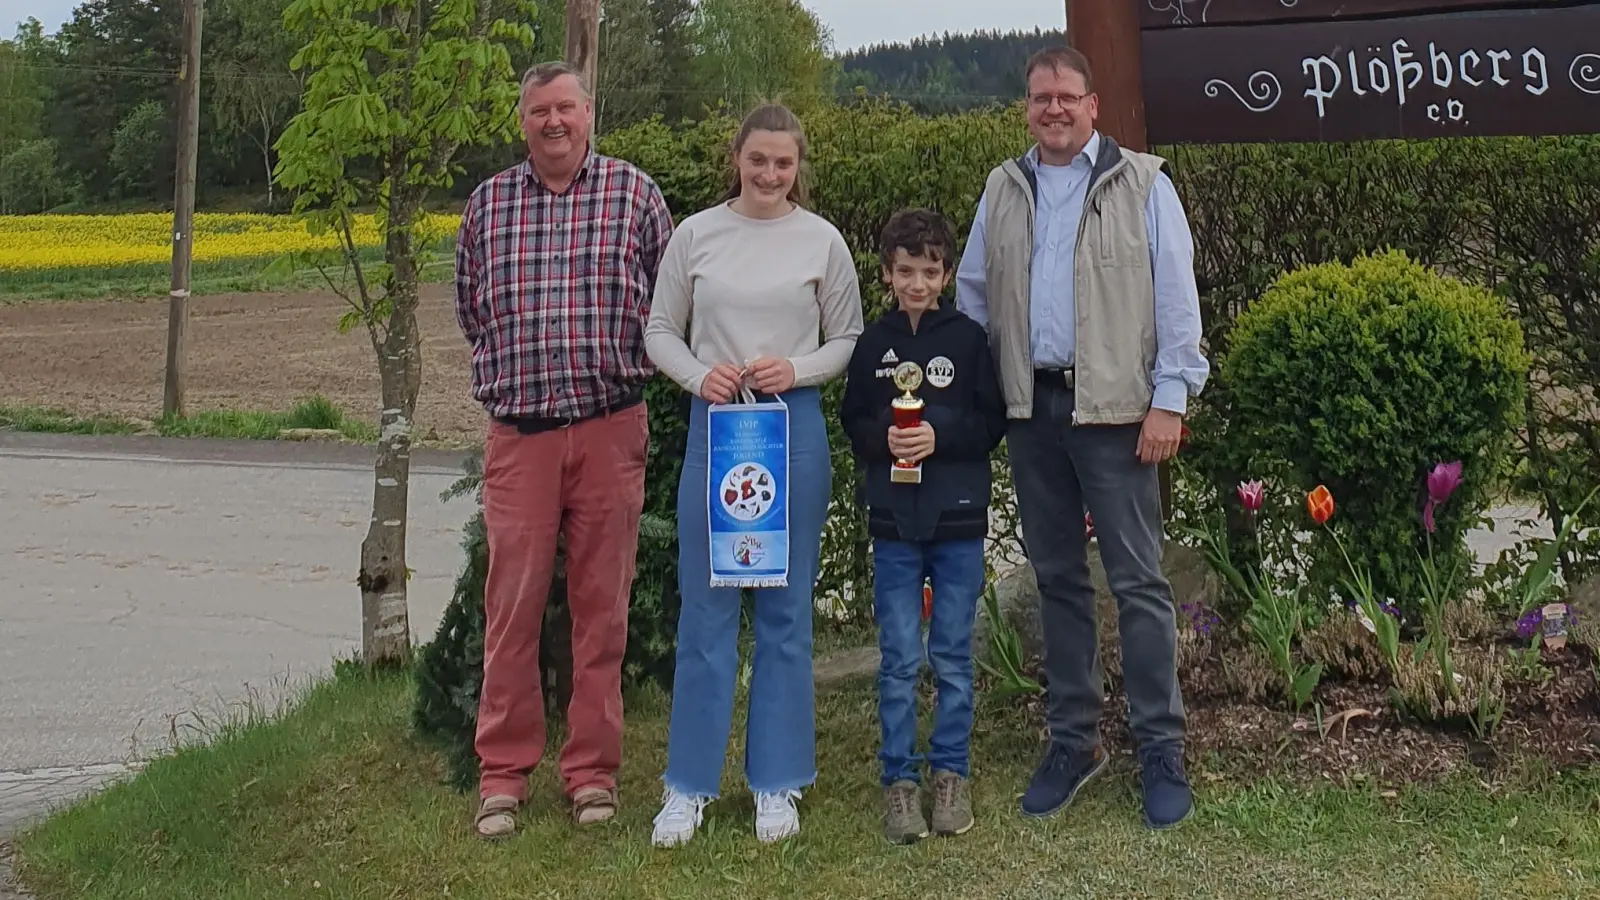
<point x="1251" y="493"/>
<point x="1442" y="482"/>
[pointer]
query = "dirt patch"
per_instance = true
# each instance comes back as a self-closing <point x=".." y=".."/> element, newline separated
<point x="258" y="352"/>
<point x="1360" y="735"/>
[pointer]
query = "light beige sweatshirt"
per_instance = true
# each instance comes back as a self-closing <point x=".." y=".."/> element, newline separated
<point x="732" y="289"/>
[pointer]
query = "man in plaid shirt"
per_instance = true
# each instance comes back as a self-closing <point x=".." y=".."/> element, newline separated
<point x="555" y="266"/>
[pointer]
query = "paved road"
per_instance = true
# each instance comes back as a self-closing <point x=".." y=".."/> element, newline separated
<point x="147" y="584"/>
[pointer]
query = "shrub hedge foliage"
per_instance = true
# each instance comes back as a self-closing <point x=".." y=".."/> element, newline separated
<point x="1518" y="217"/>
<point x="1362" y="377"/>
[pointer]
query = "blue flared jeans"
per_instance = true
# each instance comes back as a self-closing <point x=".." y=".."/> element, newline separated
<point x="780" y="728"/>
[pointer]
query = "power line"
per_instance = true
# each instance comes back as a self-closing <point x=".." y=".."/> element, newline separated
<point x="839" y="92"/>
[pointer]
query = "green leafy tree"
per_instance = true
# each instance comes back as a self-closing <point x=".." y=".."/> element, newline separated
<point x="750" y="51"/>
<point x="253" y="93"/>
<point x="142" y="152"/>
<point x="670" y="19"/>
<point x="631" y="70"/>
<point x="29" y="179"/>
<point x="114" y="58"/>
<point x="393" y="91"/>
<point x="22" y="95"/>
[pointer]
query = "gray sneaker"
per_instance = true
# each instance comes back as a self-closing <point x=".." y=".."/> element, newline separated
<point x="952" y="804"/>
<point x="902" y="813"/>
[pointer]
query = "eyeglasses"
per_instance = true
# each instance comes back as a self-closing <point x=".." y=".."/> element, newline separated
<point x="1067" y="101"/>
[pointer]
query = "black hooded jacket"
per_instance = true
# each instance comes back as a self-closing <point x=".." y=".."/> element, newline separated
<point x="963" y="404"/>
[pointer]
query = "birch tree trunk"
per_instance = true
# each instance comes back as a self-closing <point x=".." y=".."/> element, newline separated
<point x="385" y="621"/>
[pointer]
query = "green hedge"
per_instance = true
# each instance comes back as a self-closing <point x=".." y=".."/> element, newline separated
<point x="1362" y="377"/>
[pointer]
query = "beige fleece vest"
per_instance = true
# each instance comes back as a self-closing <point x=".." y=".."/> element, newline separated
<point x="1113" y="287"/>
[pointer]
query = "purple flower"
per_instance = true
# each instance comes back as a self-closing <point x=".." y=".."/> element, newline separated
<point x="1530" y="623"/>
<point x="1201" y="619"/>
<point x="1387" y="608"/>
<point x="1442" y="482"/>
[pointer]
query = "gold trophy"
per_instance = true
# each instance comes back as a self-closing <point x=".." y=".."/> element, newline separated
<point x="907" y="410"/>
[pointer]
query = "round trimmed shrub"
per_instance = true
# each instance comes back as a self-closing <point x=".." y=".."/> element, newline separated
<point x="1362" y="377"/>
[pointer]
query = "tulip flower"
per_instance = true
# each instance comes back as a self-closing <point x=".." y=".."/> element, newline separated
<point x="1319" y="504"/>
<point x="1183" y="437"/>
<point x="927" y="601"/>
<point x="1251" y="493"/>
<point x="1088" y="527"/>
<point x="1442" y="482"/>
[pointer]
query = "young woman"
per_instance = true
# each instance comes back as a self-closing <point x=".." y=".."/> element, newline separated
<point x="743" y="292"/>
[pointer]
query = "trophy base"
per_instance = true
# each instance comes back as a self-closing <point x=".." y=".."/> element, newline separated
<point x="911" y="474"/>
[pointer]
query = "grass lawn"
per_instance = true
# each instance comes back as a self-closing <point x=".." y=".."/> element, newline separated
<point x="336" y="800"/>
<point x="225" y="277"/>
<point x="315" y="413"/>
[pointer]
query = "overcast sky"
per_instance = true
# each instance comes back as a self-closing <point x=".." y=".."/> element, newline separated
<point x="855" y="23"/>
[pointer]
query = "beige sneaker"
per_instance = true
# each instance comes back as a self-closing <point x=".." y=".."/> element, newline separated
<point x="902" y="813"/>
<point x="952" y="804"/>
<point x="680" y="817"/>
<point x="777" y="817"/>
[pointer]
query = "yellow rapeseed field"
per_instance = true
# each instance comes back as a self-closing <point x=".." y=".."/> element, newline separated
<point x="39" y="244"/>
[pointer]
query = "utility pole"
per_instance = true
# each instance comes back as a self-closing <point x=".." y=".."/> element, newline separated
<point x="1107" y="32"/>
<point x="583" y="38"/>
<point x="183" y="207"/>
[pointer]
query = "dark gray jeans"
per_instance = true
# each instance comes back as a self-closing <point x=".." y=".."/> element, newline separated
<point x="1060" y="470"/>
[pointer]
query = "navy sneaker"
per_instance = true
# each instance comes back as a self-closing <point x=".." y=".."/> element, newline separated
<point x="1061" y="774"/>
<point x="1167" y="797"/>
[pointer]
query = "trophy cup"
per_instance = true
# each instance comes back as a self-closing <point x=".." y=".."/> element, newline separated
<point x="907" y="410"/>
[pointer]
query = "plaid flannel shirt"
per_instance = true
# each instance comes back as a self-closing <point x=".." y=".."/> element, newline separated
<point x="553" y="290"/>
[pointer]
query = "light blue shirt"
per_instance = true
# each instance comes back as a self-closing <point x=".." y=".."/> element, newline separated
<point x="1180" y="368"/>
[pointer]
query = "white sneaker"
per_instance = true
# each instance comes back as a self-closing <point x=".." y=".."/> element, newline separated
<point x="680" y="816"/>
<point x="776" y="816"/>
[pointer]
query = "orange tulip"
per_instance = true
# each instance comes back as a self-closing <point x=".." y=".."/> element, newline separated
<point x="1319" y="504"/>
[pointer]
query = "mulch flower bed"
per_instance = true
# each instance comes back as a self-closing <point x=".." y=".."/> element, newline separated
<point x="1362" y="736"/>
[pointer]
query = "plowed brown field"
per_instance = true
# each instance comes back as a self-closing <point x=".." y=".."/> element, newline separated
<point x="252" y="352"/>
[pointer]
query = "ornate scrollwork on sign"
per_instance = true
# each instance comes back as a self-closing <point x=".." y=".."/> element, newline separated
<point x="1264" y="88"/>
<point x="1585" y="73"/>
<point x="1180" y="9"/>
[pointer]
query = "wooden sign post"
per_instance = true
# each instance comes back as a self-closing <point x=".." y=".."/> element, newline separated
<point x="1108" y="34"/>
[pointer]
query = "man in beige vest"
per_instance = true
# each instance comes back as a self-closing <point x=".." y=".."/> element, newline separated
<point x="1080" y="266"/>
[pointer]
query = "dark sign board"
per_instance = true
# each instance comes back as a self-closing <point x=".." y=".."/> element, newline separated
<point x="1520" y="72"/>
<point x="1189" y="13"/>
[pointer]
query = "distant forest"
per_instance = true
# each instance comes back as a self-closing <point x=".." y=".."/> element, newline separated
<point x="87" y="113"/>
<point x="947" y="73"/>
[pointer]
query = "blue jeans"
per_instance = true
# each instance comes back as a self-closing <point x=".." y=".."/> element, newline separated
<point x="956" y="569"/>
<point x="780" y="729"/>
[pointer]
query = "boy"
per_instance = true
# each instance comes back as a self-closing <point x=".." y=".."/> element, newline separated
<point x="934" y="528"/>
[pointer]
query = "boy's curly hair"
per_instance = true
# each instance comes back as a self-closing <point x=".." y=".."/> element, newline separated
<point x="919" y="232"/>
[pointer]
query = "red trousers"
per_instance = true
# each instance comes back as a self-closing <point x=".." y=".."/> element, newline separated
<point x="585" y="482"/>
